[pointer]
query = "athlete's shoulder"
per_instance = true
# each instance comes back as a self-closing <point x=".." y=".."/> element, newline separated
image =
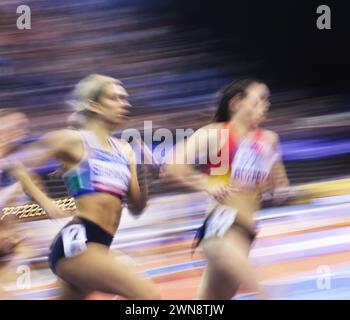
<point x="125" y="147"/>
<point x="210" y="127"/>
<point x="214" y="125"/>
<point x="122" y="143"/>
<point x="271" y="136"/>
<point x="61" y="137"/>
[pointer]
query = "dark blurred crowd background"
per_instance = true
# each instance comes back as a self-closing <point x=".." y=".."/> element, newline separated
<point x="174" y="55"/>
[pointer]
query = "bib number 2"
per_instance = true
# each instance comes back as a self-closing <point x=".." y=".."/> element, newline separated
<point x="74" y="239"/>
<point x="220" y="221"/>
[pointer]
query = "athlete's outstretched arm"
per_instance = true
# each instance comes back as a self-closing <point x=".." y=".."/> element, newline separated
<point x="9" y="193"/>
<point x="30" y="188"/>
<point x="49" y="146"/>
<point x="180" y="166"/>
<point x="52" y="145"/>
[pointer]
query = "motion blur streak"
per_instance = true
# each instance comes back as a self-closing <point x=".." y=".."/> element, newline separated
<point x="172" y="64"/>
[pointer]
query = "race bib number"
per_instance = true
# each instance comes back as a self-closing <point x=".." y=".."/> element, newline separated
<point x="220" y="221"/>
<point x="74" y="239"/>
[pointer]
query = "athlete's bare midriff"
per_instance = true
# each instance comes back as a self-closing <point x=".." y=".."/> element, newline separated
<point x="101" y="208"/>
<point x="247" y="203"/>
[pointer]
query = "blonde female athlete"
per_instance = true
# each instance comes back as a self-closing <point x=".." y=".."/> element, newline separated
<point x="100" y="171"/>
<point x="252" y="162"/>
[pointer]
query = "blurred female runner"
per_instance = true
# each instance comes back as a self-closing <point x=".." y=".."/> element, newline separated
<point x="13" y="128"/>
<point x="252" y="163"/>
<point x="100" y="172"/>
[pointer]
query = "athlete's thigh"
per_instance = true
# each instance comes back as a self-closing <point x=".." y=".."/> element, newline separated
<point x="95" y="269"/>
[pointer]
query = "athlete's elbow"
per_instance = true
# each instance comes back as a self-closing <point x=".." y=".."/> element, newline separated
<point x="136" y="208"/>
<point x="136" y="211"/>
<point x="141" y="206"/>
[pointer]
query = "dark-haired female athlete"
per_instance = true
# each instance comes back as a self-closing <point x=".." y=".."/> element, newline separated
<point x="252" y="162"/>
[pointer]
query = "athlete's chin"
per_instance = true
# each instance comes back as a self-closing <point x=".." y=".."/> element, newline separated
<point x="258" y="122"/>
<point x="255" y="124"/>
<point x="119" y="120"/>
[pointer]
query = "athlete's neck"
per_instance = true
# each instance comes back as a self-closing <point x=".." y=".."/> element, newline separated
<point x="243" y="125"/>
<point x="100" y="128"/>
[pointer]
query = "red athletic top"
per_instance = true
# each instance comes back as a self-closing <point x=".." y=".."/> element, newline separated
<point x="249" y="160"/>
